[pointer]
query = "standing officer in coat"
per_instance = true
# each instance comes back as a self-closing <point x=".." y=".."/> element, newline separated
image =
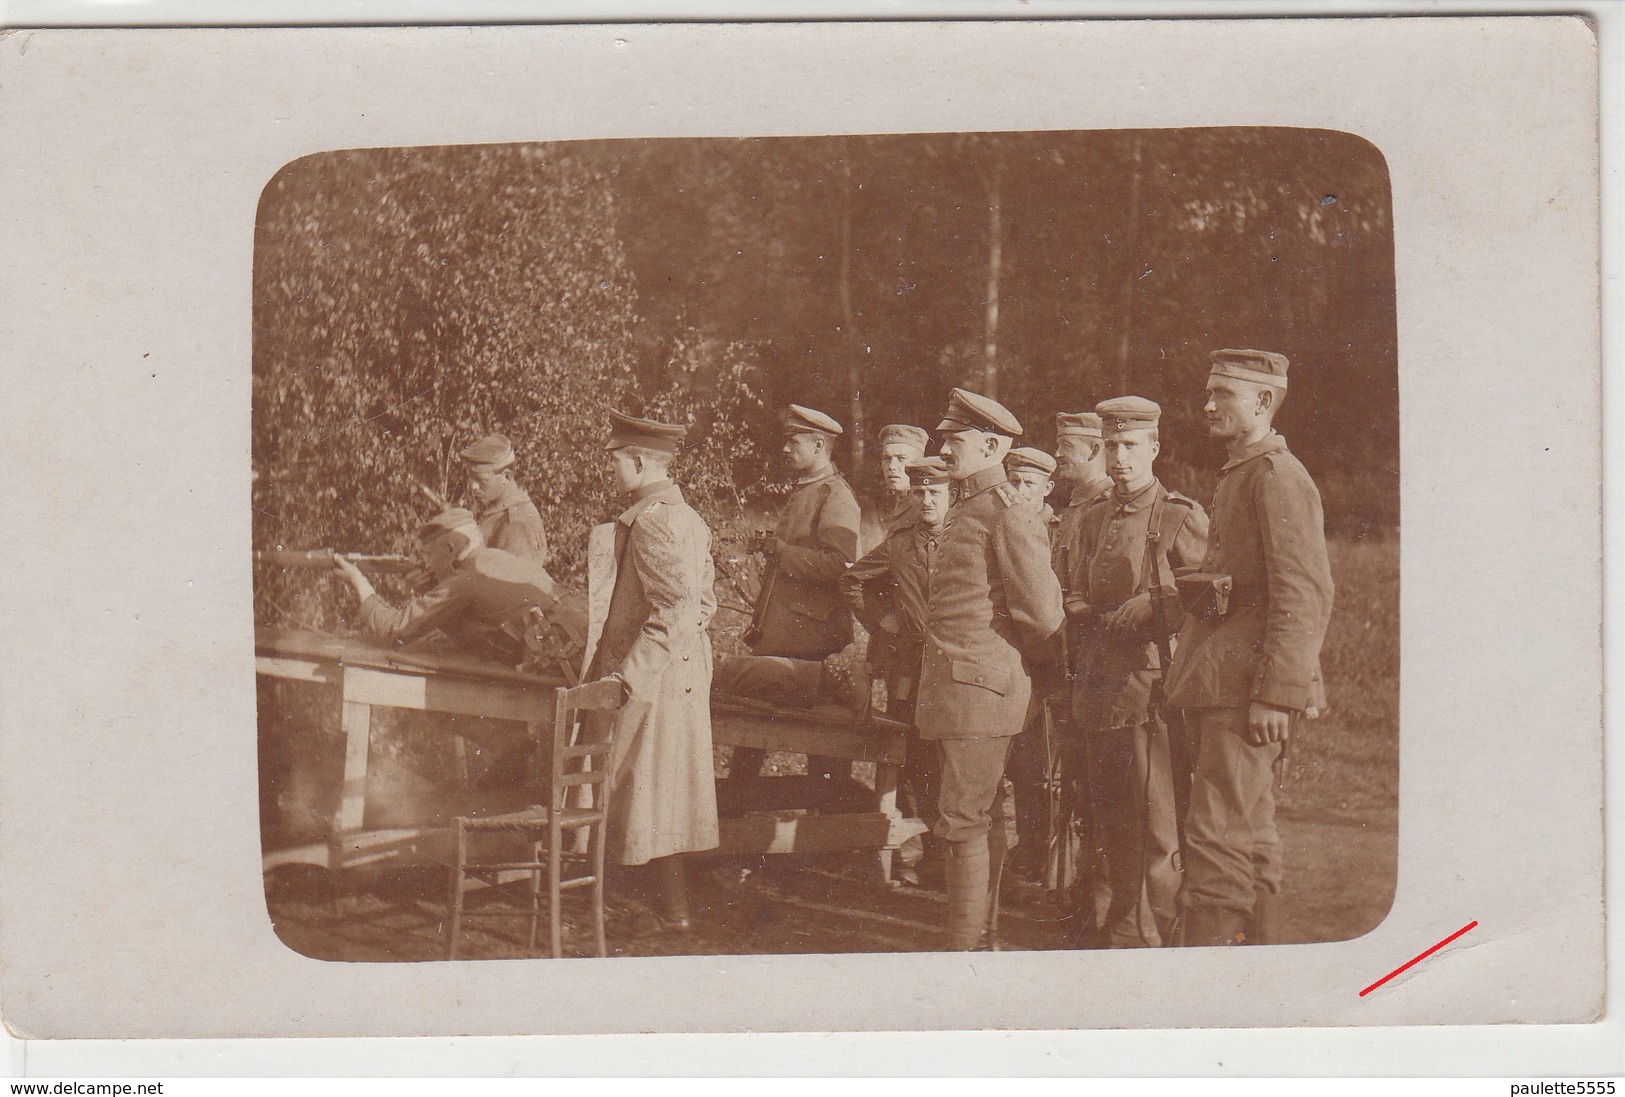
<point x="993" y="604"/>
<point x="900" y="446"/>
<point x="800" y="617"/>
<point x="1110" y="608"/>
<point x="662" y="794"/>
<point x="508" y="519"/>
<point x="1248" y="666"/>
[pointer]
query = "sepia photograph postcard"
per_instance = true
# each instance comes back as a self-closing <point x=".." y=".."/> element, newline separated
<point x="774" y="527"/>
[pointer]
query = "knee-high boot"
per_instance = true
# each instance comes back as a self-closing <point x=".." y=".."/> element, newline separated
<point x="1205" y="926"/>
<point x="998" y="844"/>
<point x="967" y="883"/>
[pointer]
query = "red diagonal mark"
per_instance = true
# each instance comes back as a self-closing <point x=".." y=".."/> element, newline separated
<point x="1417" y="959"/>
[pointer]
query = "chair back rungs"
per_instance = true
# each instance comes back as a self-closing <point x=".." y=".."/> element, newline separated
<point x="576" y="763"/>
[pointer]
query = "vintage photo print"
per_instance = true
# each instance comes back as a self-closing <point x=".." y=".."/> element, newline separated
<point x="424" y="316"/>
<point x="715" y="528"/>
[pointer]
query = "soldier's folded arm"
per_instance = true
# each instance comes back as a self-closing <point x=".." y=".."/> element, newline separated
<point x="867" y="585"/>
<point x="837" y="543"/>
<point x="655" y="550"/>
<point x="419" y="617"/>
<point x="1299" y="578"/>
<point x="1032" y="592"/>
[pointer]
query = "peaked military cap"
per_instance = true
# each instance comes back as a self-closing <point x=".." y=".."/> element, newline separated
<point x="1077" y="424"/>
<point x="1026" y="457"/>
<point x="973" y="411"/>
<point x="629" y="430"/>
<point x="901" y="434"/>
<point x="800" y="420"/>
<point x="494" y="451"/>
<point x="927" y="471"/>
<point x="1122" y="414"/>
<point x="450" y="520"/>
<point x="1261" y="367"/>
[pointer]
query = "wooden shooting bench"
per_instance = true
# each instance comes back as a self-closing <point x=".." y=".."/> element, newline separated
<point x="759" y="815"/>
<point x="364" y="675"/>
<point x="799" y="814"/>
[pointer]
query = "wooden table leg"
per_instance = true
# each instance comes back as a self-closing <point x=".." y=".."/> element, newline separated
<point x="886" y="803"/>
<point x="356" y="723"/>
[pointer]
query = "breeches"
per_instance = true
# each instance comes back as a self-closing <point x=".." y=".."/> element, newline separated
<point x="972" y="787"/>
<point x="1233" y="850"/>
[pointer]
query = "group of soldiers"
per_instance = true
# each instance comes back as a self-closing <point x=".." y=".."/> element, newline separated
<point x="1131" y="668"/>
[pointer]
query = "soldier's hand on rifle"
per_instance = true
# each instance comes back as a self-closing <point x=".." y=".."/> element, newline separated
<point x="1133" y="616"/>
<point x="1268" y="724"/>
<point x="1077" y="608"/>
<point x="889" y="625"/>
<point x="363" y="587"/>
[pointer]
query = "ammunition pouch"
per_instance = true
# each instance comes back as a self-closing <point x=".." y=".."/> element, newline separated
<point x="1204" y="594"/>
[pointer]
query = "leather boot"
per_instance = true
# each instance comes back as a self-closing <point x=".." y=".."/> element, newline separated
<point x="674" y="893"/>
<point x="1264" y="928"/>
<point x="1207" y="926"/>
<point x="997" y="845"/>
<point x="967" y="885"/>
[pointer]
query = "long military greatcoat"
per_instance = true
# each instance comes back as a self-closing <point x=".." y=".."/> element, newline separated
<point x="1268" y="534"/>
<point x="663" y="786"/>
<point x="805" y="617"/>
<point x="993" y="597"/>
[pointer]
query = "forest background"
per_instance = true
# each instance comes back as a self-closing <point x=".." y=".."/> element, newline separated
<point x="408" y="301"/>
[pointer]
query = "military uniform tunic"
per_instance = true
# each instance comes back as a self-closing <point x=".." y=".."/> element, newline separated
<point x="512" y="523"/>
<point x="1268" y="535"/>
<point x="893" y="581"/>
<point x="805" y="617"/>
<point x="482" y="605"/>
<point x="1131" y="784"/>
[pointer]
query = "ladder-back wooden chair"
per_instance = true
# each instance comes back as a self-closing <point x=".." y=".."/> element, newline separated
<point x="577" y="803"/>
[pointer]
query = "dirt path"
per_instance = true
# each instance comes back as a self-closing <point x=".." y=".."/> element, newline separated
<point x="1340" y="883"/>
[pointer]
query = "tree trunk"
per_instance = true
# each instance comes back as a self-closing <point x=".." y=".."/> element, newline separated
<point x="995" y="259"/>
<point x="1131" y="268"/>
<point x="849" y="325"/>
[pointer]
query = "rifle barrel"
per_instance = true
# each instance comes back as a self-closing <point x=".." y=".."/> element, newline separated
<point x="323" y="558"/>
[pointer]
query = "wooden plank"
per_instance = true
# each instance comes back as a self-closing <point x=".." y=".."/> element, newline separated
<point x="806" y="737"/>
<point x="356" y="723"/>
<point x="294" y="668"/>
<point x="412" y="690"/>
<point x="792" y="833"/>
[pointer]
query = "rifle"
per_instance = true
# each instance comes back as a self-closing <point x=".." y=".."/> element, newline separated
<point x="1086" y="823"/>
<point x="435" y="497"/>
<point x="1179" y="762"/>
<point x="753" y="634"/>
<point x="323" y="558"/>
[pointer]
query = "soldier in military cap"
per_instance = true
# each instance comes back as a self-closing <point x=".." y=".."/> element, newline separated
<point x="508" y="519"/>
<point x="993" y="604"/>
<point x="800" y="617"/>
<point x="653" y="641"/>
<point x="1032" y="472"/>
<point x="481" y="596"/>
<point x="1248" y="667"/>
<point x="887" y="592"/>
<point x="1133" y="538"/>
<point x="900" y="445"/>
